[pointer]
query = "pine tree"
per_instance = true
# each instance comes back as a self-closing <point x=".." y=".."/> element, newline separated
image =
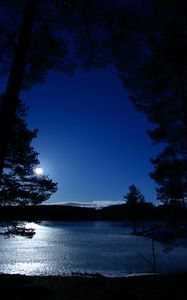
<point x="170" y="173"/>
<point x="155" y="72"/>
<point x="134" y="199"/>
<point x="155" y="68"/>
<point x="134" y="196"/>
<point x="20" y="184"/>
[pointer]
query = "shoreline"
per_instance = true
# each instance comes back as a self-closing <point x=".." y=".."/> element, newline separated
<point x="94" y="287"/>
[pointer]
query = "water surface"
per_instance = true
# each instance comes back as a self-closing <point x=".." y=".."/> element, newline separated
<point x="63" y="248"/>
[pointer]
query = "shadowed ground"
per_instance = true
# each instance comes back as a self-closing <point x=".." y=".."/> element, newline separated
<point x="170" y="286"/>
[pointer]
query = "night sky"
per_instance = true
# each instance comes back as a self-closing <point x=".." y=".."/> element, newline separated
<point x="91" y="139"/>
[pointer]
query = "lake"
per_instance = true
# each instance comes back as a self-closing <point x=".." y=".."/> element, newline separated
<point x="63" y="248"/>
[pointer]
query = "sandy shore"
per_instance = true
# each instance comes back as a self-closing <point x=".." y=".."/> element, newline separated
<point x="170" y="286"/>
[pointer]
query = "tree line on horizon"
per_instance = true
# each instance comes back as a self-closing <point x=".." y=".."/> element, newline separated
<point x="140" y="218"/>
<point x="145" y="40"/>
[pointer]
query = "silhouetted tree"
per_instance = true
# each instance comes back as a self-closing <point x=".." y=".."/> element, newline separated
<point x="155" y="68"/>
<point x="38" y="36"/>
<point x="134" y="196"/>
<point x="26" y="67"/>
<point x="170" y="174"/>
<point x="139" y="37"/>
<point x="134" y="199"/>
<point x="20" y="184"/>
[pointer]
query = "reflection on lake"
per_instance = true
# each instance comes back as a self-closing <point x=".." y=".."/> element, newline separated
<point x="61" y="248"/>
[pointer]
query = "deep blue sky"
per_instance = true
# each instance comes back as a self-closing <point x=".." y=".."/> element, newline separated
<point x="91" y="139"/>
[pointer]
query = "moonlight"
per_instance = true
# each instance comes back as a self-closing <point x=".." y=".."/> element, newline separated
<point x="38" y="171"/>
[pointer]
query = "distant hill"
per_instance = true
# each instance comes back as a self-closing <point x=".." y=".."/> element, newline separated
<point x="90" y="204"/>
<point x="66" y="212"/>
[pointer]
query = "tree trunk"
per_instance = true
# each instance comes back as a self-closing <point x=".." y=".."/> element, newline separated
<point x="184" y="113"/>
<point x="134" y="226"/>
<point x="153" y="250"/>
<point x="14" y="84"/>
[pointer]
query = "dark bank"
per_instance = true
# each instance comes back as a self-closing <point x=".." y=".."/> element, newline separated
<point x="94" y="287"/>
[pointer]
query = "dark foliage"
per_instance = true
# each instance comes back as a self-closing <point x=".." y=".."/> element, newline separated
<point x="145" y="40"/>
<point x="20" y="185"/>
<point x="171" y="176"/>
<point x="49" y="35"/>
<point x="154" y="69"/>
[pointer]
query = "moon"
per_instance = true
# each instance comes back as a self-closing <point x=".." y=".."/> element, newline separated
<point x="38" y="171"/>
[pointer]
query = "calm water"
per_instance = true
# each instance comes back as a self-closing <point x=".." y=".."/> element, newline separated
<point x="61" y="248"/>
